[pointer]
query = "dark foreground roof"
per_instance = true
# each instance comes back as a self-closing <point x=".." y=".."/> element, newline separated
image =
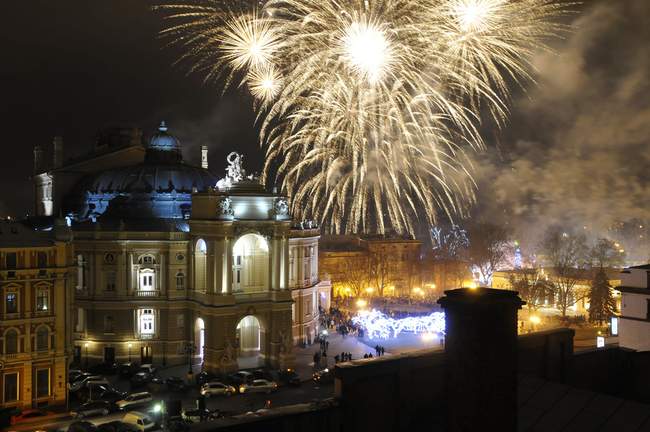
<point x="547" y="406"/>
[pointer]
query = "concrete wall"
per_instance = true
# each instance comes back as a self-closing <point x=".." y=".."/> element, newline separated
<point x="635" y="305"/>
<point x="633" y="334"/>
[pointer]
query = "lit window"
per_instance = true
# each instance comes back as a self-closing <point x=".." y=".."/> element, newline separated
<point x="42" y="335"/>
<point x="147" y="260"/>
<point x="11" y="303"/>
<point x="43" y="299"/>
<point x="10" y="387"/>
<point x="180" y="281"/>
<point x="42" y="383"/>
<point x="147" y="321"/>
<point x="147" y="280"/>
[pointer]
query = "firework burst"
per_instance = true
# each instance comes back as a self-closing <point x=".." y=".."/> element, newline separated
<point x="371" y="107"/>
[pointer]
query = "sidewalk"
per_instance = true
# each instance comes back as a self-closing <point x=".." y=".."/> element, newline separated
<point x="338" y="344"/>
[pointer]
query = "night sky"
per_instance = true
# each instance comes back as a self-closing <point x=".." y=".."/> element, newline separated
<point x="576" y="149"/>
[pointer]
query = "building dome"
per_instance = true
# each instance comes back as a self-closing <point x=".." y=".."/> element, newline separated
<point x="158" y="188"/>
<point x="163" y="141"/>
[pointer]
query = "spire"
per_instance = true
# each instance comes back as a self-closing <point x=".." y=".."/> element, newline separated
<point x="163" y="126"/>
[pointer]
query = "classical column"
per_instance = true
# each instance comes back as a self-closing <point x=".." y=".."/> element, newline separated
<point x="218" y="263"/>
<point x="227" y="267"/>
<point x="481" y="359"/>
<point x="210" y="286"/>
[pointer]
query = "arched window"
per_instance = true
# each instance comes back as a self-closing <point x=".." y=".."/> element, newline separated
<point x="42" y="336"/>
<point x="11" y="341"/>
<point x="200" y="265"/>
<point x="147" y="260"/>
<point x="180" y="281"/>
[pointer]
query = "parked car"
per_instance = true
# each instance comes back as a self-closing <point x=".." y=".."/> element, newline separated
<point x="101" y="391"/>
<point x="82" y="426"/>
<point x="127" y="369"/>
<point x="141" y="378"/>
<point x="287" y="377"/>
<point x="140" y="421"/>
<point x="73" y="374"/>
<point x="30" y="415"/>
<point x="93" y="408"/>
<point x="175" y="384"/>
<point x="81" y="383"/>
<point x="262" y="374"/>
<point x="75" y="377"/>
<point x="104" y="368"/>
<point x="115" y="426"/>
<point x="196" y="415"/>
<point x="217" y="389"/>
<point x="134" y="399"/>
<point x="148" y="367"/>
<point x="258" y="386"/>
<point x="241" y="377"/>
<point x="323" y="376"/>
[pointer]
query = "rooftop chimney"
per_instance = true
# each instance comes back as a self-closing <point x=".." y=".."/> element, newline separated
<point x="481" y="359"/>
<point x="204" y="157"/>
<point x="58" y="151"/>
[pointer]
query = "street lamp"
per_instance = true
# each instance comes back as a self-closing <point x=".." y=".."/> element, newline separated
<point x="86" y="347"/>
<point x="129" y="345"/>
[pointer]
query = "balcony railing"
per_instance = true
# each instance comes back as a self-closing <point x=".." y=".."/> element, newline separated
<point x="152" y="293"/>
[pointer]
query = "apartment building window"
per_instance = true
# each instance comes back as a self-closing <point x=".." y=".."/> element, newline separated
<point x="11" y="303"/>
<point x="11" y="342"/>
<point x="42" y="383"/>
<point x="41" y="260"/>
<point x="147" y="321"/>
<point x="180" y="281"/>
<point x="110" y="281"/>
<point x="10" y="390"/>
<point x="147" y="280"/>
<point x="42" y="299"/>
<point x="11" y="261"/>
<point x="42" y="336"/>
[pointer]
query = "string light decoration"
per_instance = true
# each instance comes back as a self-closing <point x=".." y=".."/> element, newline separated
<point x="377" y="325"/>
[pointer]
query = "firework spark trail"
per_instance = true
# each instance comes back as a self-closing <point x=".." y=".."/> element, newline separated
<point x="370" y="107"/>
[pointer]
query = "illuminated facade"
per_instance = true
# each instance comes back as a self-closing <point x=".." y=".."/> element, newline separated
<point x="168" y="265"/>
<point x="634" y="322"/>
<point x="37" y="293"/>
<point x="347" y="256"/>
<point x="501" y="280"/>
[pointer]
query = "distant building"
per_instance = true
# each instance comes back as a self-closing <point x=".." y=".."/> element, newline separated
<point x="634" y="322"/>
<point x="35" y="325"/>
<point x="397" y="257"/>
<point x="501" y="280"/>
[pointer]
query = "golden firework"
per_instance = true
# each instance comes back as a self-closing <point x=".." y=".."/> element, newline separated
<point x="378" y="102"/>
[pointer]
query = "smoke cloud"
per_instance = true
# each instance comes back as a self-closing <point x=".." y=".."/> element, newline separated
<point x="577" y="150"/>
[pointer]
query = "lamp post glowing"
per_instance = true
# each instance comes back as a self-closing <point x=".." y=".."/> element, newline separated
<point x="86" y="347"/>
<point x="534" y="320"/>
<point x="129" y="345"/>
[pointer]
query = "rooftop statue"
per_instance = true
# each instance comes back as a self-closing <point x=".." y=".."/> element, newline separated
<point x="234" y="171"/>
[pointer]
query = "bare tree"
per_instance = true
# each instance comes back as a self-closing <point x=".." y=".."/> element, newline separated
<point x="449" y="254"/>
<point x="356" y="274"/>
<point x="532" y="286"/>
<point x="382" y="269"/>
<point x="487" y="249"/>
<point x="567" y="255"/>
<point x="606" y="254"/>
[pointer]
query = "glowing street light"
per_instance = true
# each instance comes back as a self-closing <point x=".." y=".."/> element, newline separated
<point x="361" y="303"/>
<point x="129" y="345"/>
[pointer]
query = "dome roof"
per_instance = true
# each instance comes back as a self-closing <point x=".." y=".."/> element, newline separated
<point x="163" y="141"/>
<point x="158" y="188"/>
